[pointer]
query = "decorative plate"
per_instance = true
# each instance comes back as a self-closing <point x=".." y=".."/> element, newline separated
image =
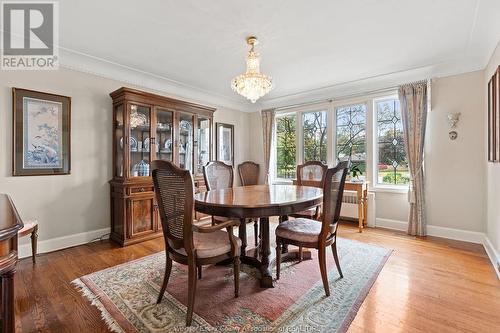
<point x="146" y="144"/>
<point x="186" y="125"/>
<point x="168" y="144"/>
<point x="132" y="143"/>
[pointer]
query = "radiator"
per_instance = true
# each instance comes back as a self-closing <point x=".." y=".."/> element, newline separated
<point x="350" y="206"/>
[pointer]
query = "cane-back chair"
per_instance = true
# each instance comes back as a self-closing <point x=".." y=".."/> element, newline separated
<point x="311" y="234"/>
<point x="311" y="173"/>
<point x="185" y="242"/>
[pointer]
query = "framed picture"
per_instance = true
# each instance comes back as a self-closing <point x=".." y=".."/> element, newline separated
<point x="41" y="133"/>
<point x="225" y="143"/>
<point x="494" y="117"/>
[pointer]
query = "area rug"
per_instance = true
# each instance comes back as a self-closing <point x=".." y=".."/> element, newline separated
<point x="126" y="295"/>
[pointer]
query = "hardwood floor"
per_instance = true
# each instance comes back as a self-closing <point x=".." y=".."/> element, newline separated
<point x="427" y="285"/>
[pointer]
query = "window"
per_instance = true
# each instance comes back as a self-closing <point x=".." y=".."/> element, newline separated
<point x="285" y="146"/>
<point x="392" y="166"/>
<point x="314" y="130"/>
<point x="351" y="135"/>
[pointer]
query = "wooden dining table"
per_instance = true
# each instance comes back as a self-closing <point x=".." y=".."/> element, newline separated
<point x="258" y="201"/>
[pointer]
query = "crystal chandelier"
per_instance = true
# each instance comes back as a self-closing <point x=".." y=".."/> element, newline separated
<point x="252" y="84"/>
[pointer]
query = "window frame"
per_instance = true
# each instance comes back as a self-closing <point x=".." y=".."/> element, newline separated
<point x="381" y="187"/>
<point x="371" y="137"/>
<point x="274" y="177"/>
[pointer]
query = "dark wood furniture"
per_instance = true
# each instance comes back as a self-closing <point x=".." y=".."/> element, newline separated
<point x="219" y="175"/>
<point x="258" y="201"/>
<point x="311" y="234"/>
<point x="148" y="127"/>
<point x="249" y="175"/>
<point x="311" y="173"/>
<point x="10" y="224"/>
<point x="185" y="242"/>
<point x="31" y="228"/>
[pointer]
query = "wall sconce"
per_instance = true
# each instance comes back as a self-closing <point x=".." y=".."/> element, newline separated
<point x="453" y="119"/>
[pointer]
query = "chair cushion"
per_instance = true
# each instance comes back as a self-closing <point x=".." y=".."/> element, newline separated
<point x="211" y="244"/>
<point x="300" y="230"/>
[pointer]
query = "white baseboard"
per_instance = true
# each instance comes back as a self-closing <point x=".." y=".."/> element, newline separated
<point x="492" y="254"/>
<point x="391" y="224"/>
<point x="63" y="242"/>
<point x="434" y="230"/>
<point x="450" y="233"/>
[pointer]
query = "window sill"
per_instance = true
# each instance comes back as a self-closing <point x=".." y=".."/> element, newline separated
<point x="282" y="182"/>
<point x="390" y="189"/>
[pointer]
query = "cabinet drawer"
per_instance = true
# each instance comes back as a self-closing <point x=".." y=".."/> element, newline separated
<point x="141" y="189"/>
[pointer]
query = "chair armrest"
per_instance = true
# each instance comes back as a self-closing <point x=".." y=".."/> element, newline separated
<point x="219" y="226"/>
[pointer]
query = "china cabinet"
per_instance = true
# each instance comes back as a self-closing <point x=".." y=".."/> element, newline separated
<point x="148" y="127"/>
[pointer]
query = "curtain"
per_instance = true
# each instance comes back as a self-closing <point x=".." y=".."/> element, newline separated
<point x="267" y="136"/>
<point x="413" y="100"/>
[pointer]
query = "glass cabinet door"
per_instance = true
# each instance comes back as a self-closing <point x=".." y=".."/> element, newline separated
<point x="164" y="134"/>
<point x="118" y="123"/>
<point x="186" y="141"/>
<point x="140" y="140"/>
<point x="202" y="155"/>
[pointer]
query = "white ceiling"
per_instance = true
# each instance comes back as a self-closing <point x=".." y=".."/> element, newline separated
<point x="305" y="45"/>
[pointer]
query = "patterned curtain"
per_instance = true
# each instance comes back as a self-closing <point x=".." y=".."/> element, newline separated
<point x="267" y="135"/>
<point x="413" y="100"/>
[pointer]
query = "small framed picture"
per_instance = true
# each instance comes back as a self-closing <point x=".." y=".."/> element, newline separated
<point x="41" y="133"/>
<point x="225" y="143"/>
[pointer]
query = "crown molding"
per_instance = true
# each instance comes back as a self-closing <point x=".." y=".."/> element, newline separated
<point x="85" y="63"/>
<point x="81" y="62"/>
<point x="376" y="82"/>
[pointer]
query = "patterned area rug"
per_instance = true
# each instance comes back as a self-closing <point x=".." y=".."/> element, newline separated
<point x="126" y="295"/>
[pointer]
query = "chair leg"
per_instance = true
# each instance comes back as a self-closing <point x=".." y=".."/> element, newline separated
<point x="168" y="269"/>
<point x="191" y="292"/>
<point x="322" y="268"/>
<point x="34" y="241"/>
<point x="300" y="253"/>
<point x="278" y="259"/>
<point x="336" y="257"/>
<point x="236" y="270"/>
<point x="199" y="272"/>
<point x="256" y="231"/>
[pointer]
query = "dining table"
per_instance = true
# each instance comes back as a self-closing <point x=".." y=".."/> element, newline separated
<point x="262" y="202"/>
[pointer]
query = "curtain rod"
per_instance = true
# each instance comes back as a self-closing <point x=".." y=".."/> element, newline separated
<point x="359" y="94"/>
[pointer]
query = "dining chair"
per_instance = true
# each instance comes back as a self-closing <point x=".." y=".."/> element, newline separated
<point x="249" y="175"/>
<point x="311" y="234"/>
<point x="185" y="242"/>
<point x="218" y="175"/>
<point x="311" y="173"/>
<point x="30" y="228"/>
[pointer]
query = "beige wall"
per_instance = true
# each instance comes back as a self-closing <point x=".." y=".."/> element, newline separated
<point x="492" y="169"/>
<point x="76" y="203"/>
<point x="455" y="180"/>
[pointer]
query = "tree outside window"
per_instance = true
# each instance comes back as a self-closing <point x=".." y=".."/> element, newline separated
<point x="351" y="135"/>
<point x="285" y="146"/>
<point x="392" y="167"/>
<point x="315" y="139"/>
